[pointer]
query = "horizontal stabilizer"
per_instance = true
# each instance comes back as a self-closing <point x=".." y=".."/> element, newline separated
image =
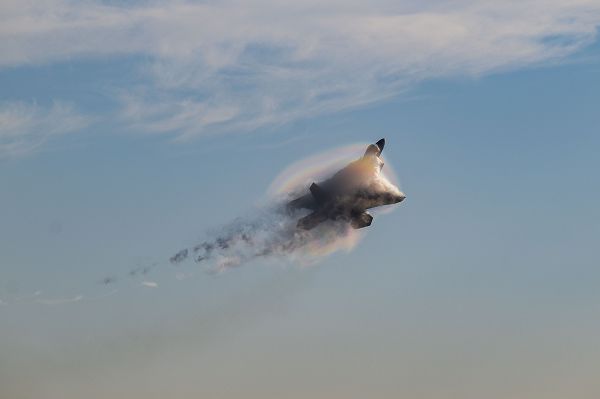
<point x="304" y="202"/>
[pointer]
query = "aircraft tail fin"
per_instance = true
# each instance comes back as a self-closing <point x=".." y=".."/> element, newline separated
<point x="318" y="193"/>
<point x="375" y="149"/>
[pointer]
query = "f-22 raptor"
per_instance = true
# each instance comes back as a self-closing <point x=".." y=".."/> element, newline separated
<point x="349" y="193"/>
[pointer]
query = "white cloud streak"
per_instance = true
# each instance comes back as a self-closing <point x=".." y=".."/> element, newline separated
<point x="59" y="301"/>
<point x="240" y="65"/>
<point x="25" y="128"/>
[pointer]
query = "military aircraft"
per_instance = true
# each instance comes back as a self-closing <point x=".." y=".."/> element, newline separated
<point x="349" y="193"/>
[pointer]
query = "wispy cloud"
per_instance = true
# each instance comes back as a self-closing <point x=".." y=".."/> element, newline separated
<point x="60" y="301"/>
<point x="239" y="65"/>
<point x="149" y="284"/>
<point x="25" y="128"/>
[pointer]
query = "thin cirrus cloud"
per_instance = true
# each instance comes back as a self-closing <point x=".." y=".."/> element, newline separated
<point x="241" y="65"/>
<point x="25" y="128"/>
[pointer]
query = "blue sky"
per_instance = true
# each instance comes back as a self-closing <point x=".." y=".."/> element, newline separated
<point x="127" y="132"/>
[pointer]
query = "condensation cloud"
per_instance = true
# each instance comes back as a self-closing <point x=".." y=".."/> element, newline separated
<point x="271" y="233"/>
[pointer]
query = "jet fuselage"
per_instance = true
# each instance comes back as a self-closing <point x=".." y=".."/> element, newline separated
<point x="349" y="193"/>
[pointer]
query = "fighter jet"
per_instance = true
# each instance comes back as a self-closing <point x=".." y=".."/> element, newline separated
<point x="349" y="193"/>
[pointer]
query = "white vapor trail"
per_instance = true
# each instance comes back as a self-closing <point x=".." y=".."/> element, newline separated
<point x="270" y="233"/>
